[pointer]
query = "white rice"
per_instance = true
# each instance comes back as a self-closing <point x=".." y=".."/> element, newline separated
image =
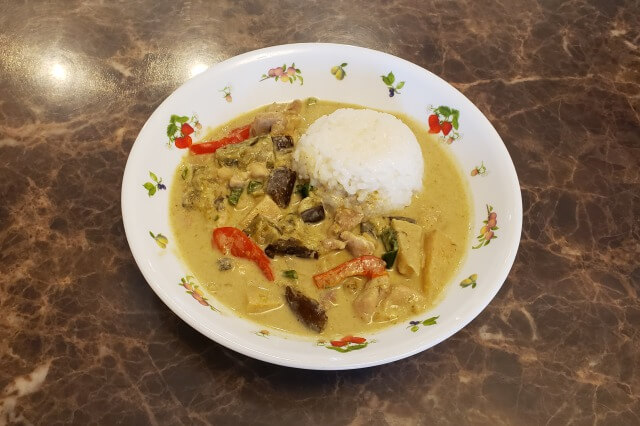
<point x="365" y="155"/>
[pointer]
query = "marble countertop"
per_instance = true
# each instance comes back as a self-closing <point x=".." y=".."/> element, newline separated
<point x="84" y="340"/>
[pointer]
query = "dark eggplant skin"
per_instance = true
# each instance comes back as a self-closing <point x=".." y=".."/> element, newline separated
<point x="313" y="215"/>
<point x="290" y="247"/>
<point x="282" y="143"/>
<point x="308" y="311"/>
<point x="280" y="186"/>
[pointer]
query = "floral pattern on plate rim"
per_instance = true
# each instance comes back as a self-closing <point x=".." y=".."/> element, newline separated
<point x="471" y="281"/>
<point x="444" y="122"/>
<point x="479" y="170"/>
<point x="152" y="187"/>
<point x="160" y="239"/>
<point x="487" y="231"/>
<point x="415" y="325"/>
<point x="389" y="80"/>
<point x="226" y="93"/>
<point x="338" y="71"/>
<point x="180" y="128"/>
<point x="346" y="344"/>
<point x="195" y="291"/>
<point x="284" y="74"/>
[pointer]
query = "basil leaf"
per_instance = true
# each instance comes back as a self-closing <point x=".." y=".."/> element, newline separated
<point x="390" y="258"/>
<point x="291" y="273"/>
<point x="234" y="196"/>
<point x="253" y="186"/>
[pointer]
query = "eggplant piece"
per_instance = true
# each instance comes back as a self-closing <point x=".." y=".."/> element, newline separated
<point x="313" y="215"/>
<point x="308" y="311"/>
<point x="291" y="247"/>
<point x="280" y="186"/>
<point x="282" y="143"/>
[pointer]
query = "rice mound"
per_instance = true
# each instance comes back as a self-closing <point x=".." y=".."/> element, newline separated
<point x="364" y="156"/>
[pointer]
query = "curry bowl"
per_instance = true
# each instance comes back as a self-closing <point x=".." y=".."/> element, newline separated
<point x="338" y="74"/>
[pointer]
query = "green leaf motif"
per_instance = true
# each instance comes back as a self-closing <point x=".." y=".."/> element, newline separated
<point x="391" y="77"/>
<point x="151" y="188"/>
<point x="385" y="80"/>
<point x="349" y="348"/>
<point x="344" y="64"/>
<point x="400" y="85"/>
<point x="153" y="177"/>
<point x="431" y="321"/>
<point x="160" y="239"/>
<point x="171" y="129"/>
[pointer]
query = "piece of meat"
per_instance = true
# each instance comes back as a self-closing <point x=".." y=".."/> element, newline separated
<point x="295" y="106"/>
<point x="346" y="219"/>
<point x="308" y="311"/>
<point x="291" y="247"/>
<point x="399" y="301"/>
<point x="258" y="170"/>
<point x="280" y="185"/>
<point x="366" y="303"/>
<point x="313" y="215"/>
<point x="282" y="143"/>
<point x="333" y="244"/>
<point x="238" y="180"/>
<point x="264" y="121"/>
<point x="357" y="245"/>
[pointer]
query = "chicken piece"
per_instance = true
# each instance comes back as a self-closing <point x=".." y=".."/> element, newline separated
<point x="267" y="208"/>
<point x="410" y="243"/>
<point x="295" y="106"/>
<point x="370" y="297"/>
<point x="225" y="173"/>
<point x="357" y="245"/>
<point x="399" y="301"/>
<point x="346" y="219"/>
<point x="258" y="170"/>
<point x="264" y="122"/>
<point x="238" y="180"/>
<point x="333" y="244"/>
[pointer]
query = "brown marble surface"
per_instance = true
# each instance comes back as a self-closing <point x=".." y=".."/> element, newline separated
<point x="84" y="340"/>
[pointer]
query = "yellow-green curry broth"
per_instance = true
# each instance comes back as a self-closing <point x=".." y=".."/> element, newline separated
<point x="442" y="209"/>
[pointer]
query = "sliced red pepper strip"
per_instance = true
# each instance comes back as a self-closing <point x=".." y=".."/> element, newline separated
<point x="338" y="343"/>
<point x="234" y="241"/>
<point x="235" y="136"/>
<point x="183" y="142"/>
<point x="367" y="266"/>
<point x="186" y="129"/>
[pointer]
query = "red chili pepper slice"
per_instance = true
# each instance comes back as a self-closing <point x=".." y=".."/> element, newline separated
<point x="367" y="266"/>
<point x="186" y="129"/>
<point x="235" y="136"/>
<point x="338" y="343"/>
<point x="234" y="241"/>
<point x="183" y="142"/>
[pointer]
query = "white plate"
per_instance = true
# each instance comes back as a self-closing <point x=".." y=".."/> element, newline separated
<point x="476" y="143"/>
